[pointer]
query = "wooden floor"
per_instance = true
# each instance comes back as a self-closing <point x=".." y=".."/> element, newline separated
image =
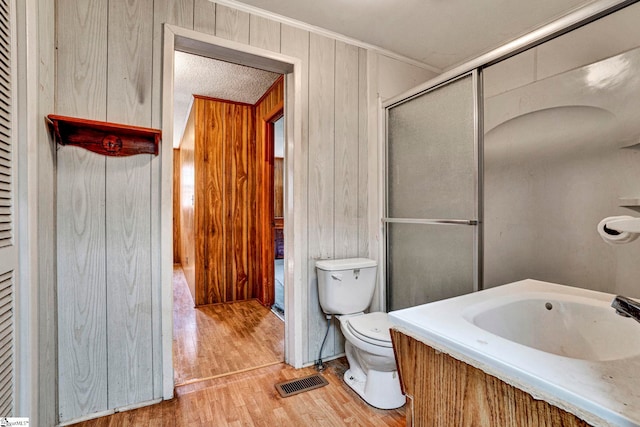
<point x="250" y="399"/>
<point x="219" y="339"/>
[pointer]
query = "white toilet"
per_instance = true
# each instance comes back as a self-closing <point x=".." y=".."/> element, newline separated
<point x="345" y="288"/>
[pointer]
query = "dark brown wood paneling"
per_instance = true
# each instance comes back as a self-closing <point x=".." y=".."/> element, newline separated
<point x="176" y="206"/>
<point x="278" y="187"/>
<point x="444" y="391"/>
<point x="268" y="108"/>
<point x="224" y="131"/>
<point x="237" y="129"/>
<point x="234" y="198"/>
<point x="229" y="142"/>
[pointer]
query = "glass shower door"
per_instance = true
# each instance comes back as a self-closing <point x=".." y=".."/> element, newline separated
<point x="432" y="195"/>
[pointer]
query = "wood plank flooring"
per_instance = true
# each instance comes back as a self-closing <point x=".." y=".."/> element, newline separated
<point x="219" y="339"/>
<point x="248" y="397"/>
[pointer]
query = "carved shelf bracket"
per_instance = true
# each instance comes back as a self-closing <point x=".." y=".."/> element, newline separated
<point x="108" y="139"/>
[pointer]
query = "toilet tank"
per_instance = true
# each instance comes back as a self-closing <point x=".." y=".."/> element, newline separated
<point x="346" y="286"/>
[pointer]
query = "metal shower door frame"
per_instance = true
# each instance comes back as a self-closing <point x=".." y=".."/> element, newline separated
<point x="477" y="221"/>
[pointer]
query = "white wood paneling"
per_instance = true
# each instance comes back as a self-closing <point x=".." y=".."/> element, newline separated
<point x="321" y="177"/>
<point x="231" y="24"/>
<point x="129" y="304"/>
<point x="204" y="20"/>
<point x="363" y="154"/>
<point x="375" y="179"/>
<point x="111" y="291"/>
<point x="81" y="91"/>
<point x="346" y="161"/>
<point x="346" y="158"/>
<point x="130" y="44"/>
<point x="130" y="348"/>
<point x="82" y="312"/>
<point x="264" y="33"/>
<point x="81" y="85"/>
<point x="295" y="43"/>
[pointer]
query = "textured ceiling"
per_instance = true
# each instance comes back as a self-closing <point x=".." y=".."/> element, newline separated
<point x="197" y="75"/>
<point x="440" y="33"/>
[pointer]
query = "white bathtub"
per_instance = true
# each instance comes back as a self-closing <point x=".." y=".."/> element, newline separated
<point x="562" y="344"/>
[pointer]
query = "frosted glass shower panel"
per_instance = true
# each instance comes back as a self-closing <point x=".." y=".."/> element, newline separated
<point x="429" y="263"/>
<point x="431" y="155"/>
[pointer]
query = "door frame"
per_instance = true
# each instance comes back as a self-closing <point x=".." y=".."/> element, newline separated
<point x="267" y="192"/>
<point x="189" y="41"/>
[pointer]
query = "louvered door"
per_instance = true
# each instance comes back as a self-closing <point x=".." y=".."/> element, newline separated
<point x="8" y="253"/>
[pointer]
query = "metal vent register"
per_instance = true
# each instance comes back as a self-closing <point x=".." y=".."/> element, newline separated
<point x="289" y="388"/>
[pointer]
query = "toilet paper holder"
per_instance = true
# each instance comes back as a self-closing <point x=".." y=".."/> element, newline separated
<point x="624" y="225"/>
<point x="617" y="230"/>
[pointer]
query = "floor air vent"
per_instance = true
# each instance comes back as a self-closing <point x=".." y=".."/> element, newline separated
<point x="289" y="388"/>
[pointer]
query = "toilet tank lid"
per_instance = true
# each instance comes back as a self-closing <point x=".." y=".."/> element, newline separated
<point x="345" y="264"/>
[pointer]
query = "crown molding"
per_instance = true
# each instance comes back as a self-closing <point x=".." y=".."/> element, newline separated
<point x="324" y="32"/>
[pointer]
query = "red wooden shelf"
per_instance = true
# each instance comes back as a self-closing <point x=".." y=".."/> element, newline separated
<point x="109" y="139"/>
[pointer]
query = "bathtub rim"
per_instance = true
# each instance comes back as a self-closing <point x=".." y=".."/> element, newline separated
<point x="551" y="377"/>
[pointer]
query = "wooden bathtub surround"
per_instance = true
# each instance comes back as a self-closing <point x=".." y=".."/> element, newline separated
<point x="225" y="226"/>
<point x="106" y="138"/>
<point x="443" y="391"/>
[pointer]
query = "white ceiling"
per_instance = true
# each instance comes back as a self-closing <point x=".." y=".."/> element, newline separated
<point x="440" y="33"/>
<point x="197" y="75"/>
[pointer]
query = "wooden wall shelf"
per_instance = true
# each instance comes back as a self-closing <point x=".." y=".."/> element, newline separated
<point x="109" y="139"/>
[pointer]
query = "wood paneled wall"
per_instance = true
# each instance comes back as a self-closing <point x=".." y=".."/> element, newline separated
<point x="278" y="187"/>
<point x="224" y="136"/>
<point x="109" y="62"/>
<point x="228" y="156"/>
<point x="107" y="236"/>
<point x="176" y="206"/>
<point x="267" y="109"/>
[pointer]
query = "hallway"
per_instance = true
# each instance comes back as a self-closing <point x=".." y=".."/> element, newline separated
<point x="219" y="339"/>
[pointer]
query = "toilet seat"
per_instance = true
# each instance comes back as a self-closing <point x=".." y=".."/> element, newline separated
<point x="372" y="328"/>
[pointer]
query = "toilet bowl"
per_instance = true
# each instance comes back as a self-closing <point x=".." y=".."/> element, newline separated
<point x="372" y="369"/>
<point x="345" y="289"/>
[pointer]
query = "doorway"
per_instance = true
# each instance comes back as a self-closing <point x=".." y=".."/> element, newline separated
<point x="225" y="159"/>
<point x="177" y="39"/>
<point x="276" y="133"/>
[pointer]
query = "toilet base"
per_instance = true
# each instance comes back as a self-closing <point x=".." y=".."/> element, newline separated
<point x="378" y="389"/>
